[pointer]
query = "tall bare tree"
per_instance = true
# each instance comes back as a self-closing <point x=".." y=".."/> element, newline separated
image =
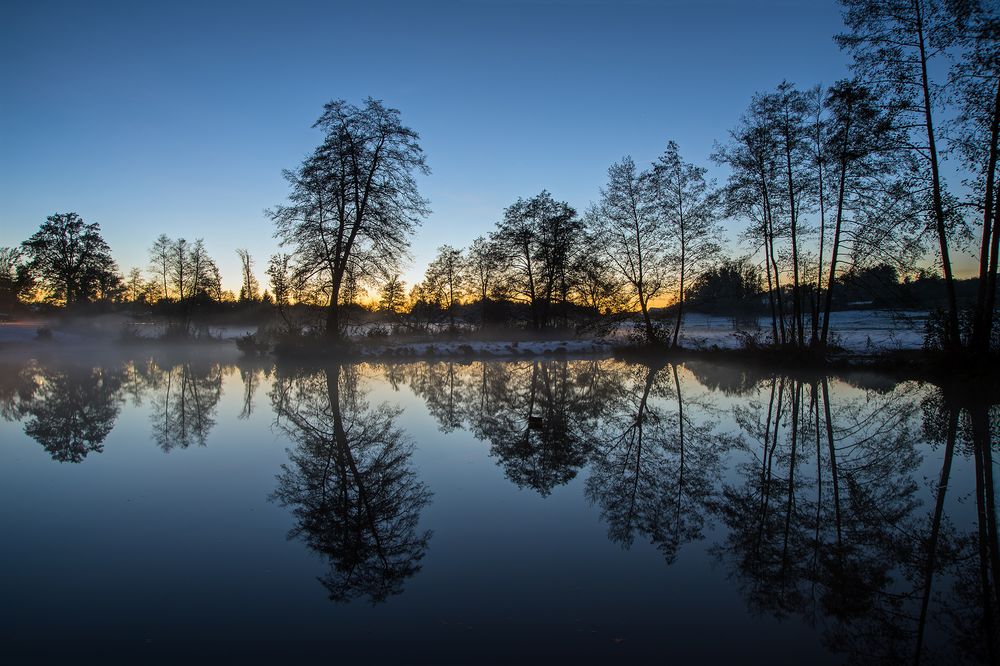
<point x="630" y="230"/>
<point x="354" y="201"/>
<point x="159" y="263"/>
<point x="250" y="287"/>
<point x="895" y="44"/>
<point x="975" y="80"/>
<point x="688" y="206"/>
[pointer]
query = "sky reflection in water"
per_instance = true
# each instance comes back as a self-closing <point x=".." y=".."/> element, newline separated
<point x="497" y="511"/>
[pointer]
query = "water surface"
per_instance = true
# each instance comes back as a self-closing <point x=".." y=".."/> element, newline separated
<point x="167" y="508"/>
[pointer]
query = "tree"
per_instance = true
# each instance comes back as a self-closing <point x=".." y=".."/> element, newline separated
<point x="629" y="229"/>
<point x="538" y="239"/>
<point x="445" y="281"/>
<point x="180" y="268"/>
<point x="205" y="278"/>
<point x="731" y="286"/>
<point x="392" y="298"/>
<point x="688" y="206"/>
<point x="70" y="258"/>
<point x="750" y="193"/>
<point x="159" y="266"/>
<point x="484" y="264"/>
<point x="250" y="287"/>
<point x="135" y="285"/>
<point x="976" y="135"/>
<point x="279" y="273"/>
<point x="894" y="43"/>
<point x="857" y="137"/>
<point x="15" y="278"/>
<point x="354" y="201"/>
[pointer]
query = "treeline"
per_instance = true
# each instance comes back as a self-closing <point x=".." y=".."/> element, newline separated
<point x="67" y="262"/>
<point x="838" y="191"/>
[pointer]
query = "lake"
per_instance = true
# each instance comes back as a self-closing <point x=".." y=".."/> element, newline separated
<point x="172" y="507"/>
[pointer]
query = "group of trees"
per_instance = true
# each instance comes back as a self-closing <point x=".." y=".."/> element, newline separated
<point x="649" y="235"/>
<point x="829" y="181"/>
<point x="68" y="262"/>
<point x="855" y="168"/>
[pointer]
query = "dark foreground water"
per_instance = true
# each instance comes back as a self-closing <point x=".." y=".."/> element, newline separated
<point x="184" y="510"/>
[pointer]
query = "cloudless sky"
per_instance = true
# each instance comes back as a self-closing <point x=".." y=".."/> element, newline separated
<point x="178" y="117"/>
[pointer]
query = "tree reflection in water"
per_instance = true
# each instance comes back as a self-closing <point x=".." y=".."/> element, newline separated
<point x="851" y="507"/>
<point x="349" y="483"/>
<point x="536" y="415"/>
<point x="825" y="518"/>
<point x="183" y="403"/>
<point x="68" y="408"/>
<point x="656" y="464"/>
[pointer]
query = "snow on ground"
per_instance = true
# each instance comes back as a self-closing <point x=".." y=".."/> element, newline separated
<point x="483" y="348"/>
<point x="854" y="330"/>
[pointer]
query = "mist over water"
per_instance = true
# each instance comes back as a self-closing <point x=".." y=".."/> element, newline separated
<point x="172" y="504"/>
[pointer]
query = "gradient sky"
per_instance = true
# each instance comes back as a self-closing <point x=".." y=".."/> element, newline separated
<point x="178" y="117"/>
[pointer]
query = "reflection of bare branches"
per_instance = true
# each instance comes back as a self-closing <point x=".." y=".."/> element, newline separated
<point x="850" y="548"/>
<point x="535" y="415"/>
<point x="656" y="463"/>
<point x="355" y="499"/>
<point x="182" y="410"/>
<point x="251" y="377"/>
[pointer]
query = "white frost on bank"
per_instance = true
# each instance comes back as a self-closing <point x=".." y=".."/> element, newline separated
<point x="858" y="331"/>
<point x="472" y="348"/>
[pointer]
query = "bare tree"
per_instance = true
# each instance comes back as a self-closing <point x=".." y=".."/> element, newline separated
<point x="894" y="43"/>
<point x="484" y="264"/>
<point x="630" y="230"/>
<point x="445" y="280"/>
<point x="354" y="201"/>
<point x="688" y="206"/>
<point x="250" y="287"/>
<point x="159" y="262"/>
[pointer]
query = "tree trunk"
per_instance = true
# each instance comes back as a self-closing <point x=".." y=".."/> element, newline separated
<point x="680" y="303"/>
<point x="796" y="297"/>
<point x="650" y="331"/>
<point x="942" y="489"/>
<point x="954" y="334"/>
<point x="984" y="316"/>
<point x="833" y="253"/>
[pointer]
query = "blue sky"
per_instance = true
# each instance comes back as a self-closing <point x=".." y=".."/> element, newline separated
<point x="178" y="117"/>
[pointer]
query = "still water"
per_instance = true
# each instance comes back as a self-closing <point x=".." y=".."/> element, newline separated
<point x="533" y="511"/>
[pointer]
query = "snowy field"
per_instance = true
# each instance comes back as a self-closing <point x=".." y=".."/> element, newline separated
<point x="858" y="331"/>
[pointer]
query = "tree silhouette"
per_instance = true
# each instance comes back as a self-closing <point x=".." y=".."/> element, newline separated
<point x="354" y="496"/>
<point x="72" y="410"/>
<point x="353" y="201"/>
<point x="656" y="463"/>
<point x="71" y="260"/>
<point x="182" y="409"/>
